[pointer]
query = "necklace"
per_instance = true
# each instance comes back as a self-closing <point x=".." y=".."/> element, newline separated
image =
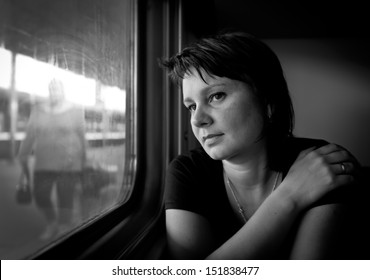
<point x="240" y="208"/>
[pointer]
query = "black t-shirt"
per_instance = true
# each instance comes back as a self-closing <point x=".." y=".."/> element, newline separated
<point x="195" y="183"/>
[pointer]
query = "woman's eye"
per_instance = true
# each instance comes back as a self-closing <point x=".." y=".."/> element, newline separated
<point x="191" y="107"/>
<point x="217" y="96"/>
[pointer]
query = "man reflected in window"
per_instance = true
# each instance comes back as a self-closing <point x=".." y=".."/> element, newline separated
<point x="55" y="137"/>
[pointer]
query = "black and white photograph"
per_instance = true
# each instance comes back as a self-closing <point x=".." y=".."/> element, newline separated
<point x="168" y="130"/>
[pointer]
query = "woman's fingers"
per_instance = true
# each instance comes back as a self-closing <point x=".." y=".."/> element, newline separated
<point x="340" y="160"/>
<point x="344" y="168"/>
<point x="344" y="179"/>
<point x="329" y="148"/>
<point x="336" y="154"/>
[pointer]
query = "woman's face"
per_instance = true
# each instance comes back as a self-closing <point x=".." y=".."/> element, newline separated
<point x="226" y="116"/>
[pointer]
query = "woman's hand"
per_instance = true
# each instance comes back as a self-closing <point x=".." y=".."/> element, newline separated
<point x="318" y="171"/>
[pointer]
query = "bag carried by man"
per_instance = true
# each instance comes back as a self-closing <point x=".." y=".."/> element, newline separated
<point x="23" y="194"/>
<point x="23" y="191"/>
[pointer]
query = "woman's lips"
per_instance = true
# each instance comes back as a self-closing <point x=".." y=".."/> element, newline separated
<point x="211" y="138"/>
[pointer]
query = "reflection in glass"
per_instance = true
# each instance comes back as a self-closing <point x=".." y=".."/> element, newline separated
<point x="66" y="112"/>
<point x="5" y="67"/>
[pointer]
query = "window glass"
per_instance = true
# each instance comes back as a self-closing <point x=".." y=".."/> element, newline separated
<point x="67" y="117"/>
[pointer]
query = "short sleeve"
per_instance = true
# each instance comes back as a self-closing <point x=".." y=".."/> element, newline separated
<point x="182" y="189"/>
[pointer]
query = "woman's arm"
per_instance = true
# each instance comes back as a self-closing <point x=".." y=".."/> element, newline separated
<point x="320" y="232"/>
<point x="263" y="234"/>
<point x="309" y="179"/>
<point x="189" y="235"/>
<point x="323" y="234"/>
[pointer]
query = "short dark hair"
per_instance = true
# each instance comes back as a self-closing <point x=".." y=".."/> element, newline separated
<point x="241" y="56"/>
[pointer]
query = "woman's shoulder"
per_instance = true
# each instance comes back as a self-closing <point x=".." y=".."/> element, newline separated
<point x="294" y="145"/>
<point x="286" y="153"/>
<point x="298" y="144"/>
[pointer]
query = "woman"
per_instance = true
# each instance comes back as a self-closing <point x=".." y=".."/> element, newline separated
<point x="252" y="191"/>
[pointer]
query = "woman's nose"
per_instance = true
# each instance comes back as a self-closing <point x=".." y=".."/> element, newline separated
<point x="200" y="117"/>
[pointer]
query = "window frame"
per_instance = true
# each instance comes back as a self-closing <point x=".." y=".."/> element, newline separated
<point x="135" y="229"/>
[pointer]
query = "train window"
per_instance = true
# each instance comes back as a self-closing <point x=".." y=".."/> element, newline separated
<point x="67" y="117"/>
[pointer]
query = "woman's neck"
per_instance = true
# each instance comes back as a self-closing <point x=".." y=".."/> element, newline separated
<point x="249" y="171"/>
<point x="251" y="181"/>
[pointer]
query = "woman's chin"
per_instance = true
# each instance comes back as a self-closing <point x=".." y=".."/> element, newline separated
<point x="215" y="153"/>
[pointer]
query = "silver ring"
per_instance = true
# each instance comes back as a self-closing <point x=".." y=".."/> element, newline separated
<point x="343" y="167"/>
